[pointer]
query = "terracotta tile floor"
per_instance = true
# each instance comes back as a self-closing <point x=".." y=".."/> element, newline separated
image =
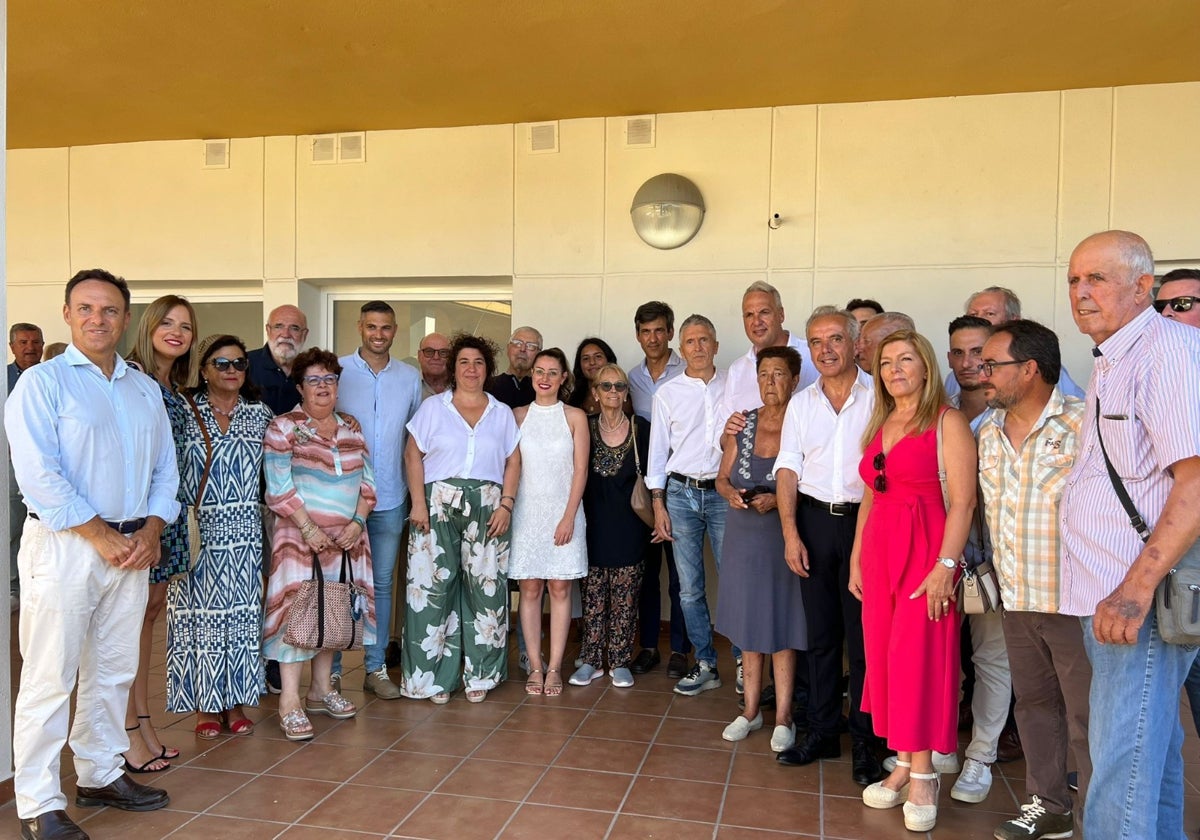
<point x="597" y="762"/>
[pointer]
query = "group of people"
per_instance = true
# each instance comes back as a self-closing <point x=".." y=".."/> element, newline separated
<point x="843" y="487"/>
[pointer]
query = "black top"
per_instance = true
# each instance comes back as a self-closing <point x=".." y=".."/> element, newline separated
<point x="511" y="391"/>
<point x="616" y="536"/>
<point x="278" y="390"/>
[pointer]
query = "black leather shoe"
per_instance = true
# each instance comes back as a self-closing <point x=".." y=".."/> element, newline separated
<point x="645" y="661"/>
<point x="867" y="769"/>
<point x="812" y="748"/>
<point x="677" y="666"/>
<point x="125" y="794"/>
<point x="52" y="825"/>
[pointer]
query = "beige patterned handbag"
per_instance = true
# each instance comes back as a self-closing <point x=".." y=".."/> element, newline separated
<point x="327" y="615"/>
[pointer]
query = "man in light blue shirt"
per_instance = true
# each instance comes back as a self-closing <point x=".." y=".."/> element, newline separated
<point x="383" y="394"/>
<point x="93" y="454"/>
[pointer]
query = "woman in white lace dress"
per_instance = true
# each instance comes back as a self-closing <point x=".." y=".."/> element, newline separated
<point x="549" y="547"/>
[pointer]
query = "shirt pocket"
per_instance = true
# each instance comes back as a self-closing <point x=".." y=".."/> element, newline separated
<point x="990" y="480"/>
<point x="1125" y="439"/>
<point x="1050" y="473"/>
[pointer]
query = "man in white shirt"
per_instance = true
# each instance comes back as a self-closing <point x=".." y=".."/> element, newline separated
<point x="682" y="476"/>
<point x="93" y="453"/>
<point x="819" y="497"/>
<point x="383" y="395"/>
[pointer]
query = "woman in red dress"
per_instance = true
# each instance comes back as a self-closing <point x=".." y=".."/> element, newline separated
<point x="903" y="566"/>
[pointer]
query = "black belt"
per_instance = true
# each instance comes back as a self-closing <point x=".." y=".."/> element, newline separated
<point x="835" y="508"/>
<point x="698" y="483"/>
<point x="127" y="526"/>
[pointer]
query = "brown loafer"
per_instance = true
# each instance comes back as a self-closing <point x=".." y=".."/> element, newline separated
<point x="52" y="825"/>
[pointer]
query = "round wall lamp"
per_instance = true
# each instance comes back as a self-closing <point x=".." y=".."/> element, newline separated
<point x="667" y="211"/>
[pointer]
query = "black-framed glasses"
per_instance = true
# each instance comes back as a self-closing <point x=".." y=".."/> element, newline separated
<point x="987" y="367"/>
<point x="327" y="379"/>
<point x="1183" y="303"/>
<point x="619" y="387"/>
<point x="434" y="353"/>
<point x="880" y="482"/>
<point x="223" y="364"/>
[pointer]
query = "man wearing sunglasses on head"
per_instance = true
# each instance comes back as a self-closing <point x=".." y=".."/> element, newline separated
<point x="271" y="364"/>
<point x="515" y="388"/>
<point x="1179" y="296"/>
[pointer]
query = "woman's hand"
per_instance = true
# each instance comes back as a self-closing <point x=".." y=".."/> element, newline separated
<point x="855" y="586"/>
<point x="317" y="540"/>
<point x="418" y="517"/>
<point x="349" y="536"/>
<point x="763" y="502"/>
<point x="938" y="589"/>
<point x="565" y="530"/>
<point x="498" y="522"/>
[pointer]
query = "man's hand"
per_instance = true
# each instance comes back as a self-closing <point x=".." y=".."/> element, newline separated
<point x="146" y="548"/>
<point x="662" y="523"/>
<point x="796" y="555"/>
<point x="735" y="423"/>
<point x="110" y="545"/>
<point x="1119" y="617"/>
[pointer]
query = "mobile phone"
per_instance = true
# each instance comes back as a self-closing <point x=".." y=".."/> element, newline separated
<point x="754" y="491"/>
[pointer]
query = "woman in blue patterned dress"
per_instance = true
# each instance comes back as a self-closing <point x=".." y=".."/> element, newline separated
<point x="165" y="350"/>
<point x="214" y="613"/>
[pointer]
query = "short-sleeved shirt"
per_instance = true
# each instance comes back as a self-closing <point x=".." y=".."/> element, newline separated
<point x="453" y="449"/>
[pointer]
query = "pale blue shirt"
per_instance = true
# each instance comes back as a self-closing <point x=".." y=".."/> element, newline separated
<point x="642" y="387"/>
<point x="84" y="445"/>
<point x="383" y="403"/>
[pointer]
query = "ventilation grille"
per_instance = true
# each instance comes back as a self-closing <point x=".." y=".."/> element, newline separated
<point x="639" y="132"/>
<point x="324" y="148"/>
<point x="543" y="138"/>
<point x="216" y="154"/>
<point x="352" y="148"/>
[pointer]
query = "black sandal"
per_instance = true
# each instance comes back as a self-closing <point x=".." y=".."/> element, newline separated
<point x="144" y="768"/>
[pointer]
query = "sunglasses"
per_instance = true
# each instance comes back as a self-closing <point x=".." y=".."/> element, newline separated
<point x="987" y="367"/>
<point x="222" y="364"/>
<point x="434" y="353"/>
<point x="1183" y="303"/>
<point x="880" y="483"/>
<point x="619" y="387"/>
<point x="327" y="379"/>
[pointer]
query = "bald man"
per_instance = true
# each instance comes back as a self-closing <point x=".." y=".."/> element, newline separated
<point x="271" y="364"/>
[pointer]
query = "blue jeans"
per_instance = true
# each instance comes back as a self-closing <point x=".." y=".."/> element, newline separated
<point x="383" y="533"/>
<point x="694" y="512"/>
<point x="1135" y="736"/>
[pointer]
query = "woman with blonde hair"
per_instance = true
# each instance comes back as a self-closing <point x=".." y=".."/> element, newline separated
<point x="164" y="349"/>
<point x="902" y="568"/>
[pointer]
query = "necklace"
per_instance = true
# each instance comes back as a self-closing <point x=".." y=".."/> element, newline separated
<point x="222" y="411"/>
<point x="611" y="429"/>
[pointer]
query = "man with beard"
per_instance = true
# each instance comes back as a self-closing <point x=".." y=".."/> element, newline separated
<point x="271" y="364"/>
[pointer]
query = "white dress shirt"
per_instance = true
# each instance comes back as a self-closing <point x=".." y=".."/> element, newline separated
<point x="822" y="446"/>
<point x="453" y="449"/>
<point x="642" y="387"/>
<point x="741" y="389"/>
<point x="84" y="445"/>
<point x="383" y="403"/>
<point x="686" y="414"/>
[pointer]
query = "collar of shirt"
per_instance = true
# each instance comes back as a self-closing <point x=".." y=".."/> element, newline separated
<point x="74" y="357"/>
<point x="1054" y="407"/>
<point x="674" y="360"/>
<point x="357" y="359"/>
<point x="1114" y="348"/>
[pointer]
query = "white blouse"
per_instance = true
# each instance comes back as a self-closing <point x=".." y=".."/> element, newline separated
<point x="453" y="449"/>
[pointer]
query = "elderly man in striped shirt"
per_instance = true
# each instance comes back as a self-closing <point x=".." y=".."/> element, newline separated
<point x="1142" y="405"/>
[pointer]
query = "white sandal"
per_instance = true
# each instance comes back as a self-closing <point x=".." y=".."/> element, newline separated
<point x="923" y="817"/>
<point x="878" y="796"/>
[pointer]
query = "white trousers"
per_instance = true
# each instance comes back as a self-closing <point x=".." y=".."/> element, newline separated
<point x="993" y="685"/>
<point x="80" y="618"/>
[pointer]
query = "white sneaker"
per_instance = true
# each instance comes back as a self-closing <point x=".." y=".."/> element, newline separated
<point x="783" y="737"/>
<point x="974" y="783"/>
<point x="945" y="763"/>
<point x="741" y="727"/>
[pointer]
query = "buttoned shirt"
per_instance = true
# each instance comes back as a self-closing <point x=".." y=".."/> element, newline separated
<point x="741" y="391"/>
<point x="279" y="392"/>
<point x="84" y="445"/>
<point x="686" y="411"/>
<point x="14" y="373"/>
<point x="455" y="449"/>
<point x="823" y="446"/>
<point x="382" y="403"/>
<point x="642" y="387"/>
<point x="1022" y="493"/>
<point x="1148" y="385"/>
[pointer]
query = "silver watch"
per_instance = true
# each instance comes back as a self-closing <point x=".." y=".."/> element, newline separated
<point x="948" y="562"/>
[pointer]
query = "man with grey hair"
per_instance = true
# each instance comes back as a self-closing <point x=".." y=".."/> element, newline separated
<point x="26" y="343"/>
<point x="1142" y="409"/>
<point x="271" y="365"/>
<point x="875" y="331"/>
<point x="515" y="387"/>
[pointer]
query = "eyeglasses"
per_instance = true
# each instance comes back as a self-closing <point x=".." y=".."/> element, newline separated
<point x="434" y="353"/>
<point x="294" y="329"/>
<point x="327" y="379"/>
<point x="222" y="364"/>
<point x="1183" y="303"/>
<point x="880" y="483"/>
<point x="531" y="346"/>
<point x="986" y="367"/>
<point x="619" y="387"/>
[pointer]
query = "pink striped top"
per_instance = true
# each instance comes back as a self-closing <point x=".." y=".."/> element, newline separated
<point x="1148" y="381"/>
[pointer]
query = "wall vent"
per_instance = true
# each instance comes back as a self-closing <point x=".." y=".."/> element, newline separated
<point x="639" y="132"/>
<point x="543" y="138"/>
<point x="323" y="148"/>
<point x="352" y="147"/>
<point x="216" y="154"/>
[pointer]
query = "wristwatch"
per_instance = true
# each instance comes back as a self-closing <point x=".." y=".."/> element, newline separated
<point x="948" y="562"/>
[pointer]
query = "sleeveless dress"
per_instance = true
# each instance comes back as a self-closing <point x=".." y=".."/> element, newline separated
<point x="911" y="687"/>
<point x="547" y="467"/>
<point x="759" y="604"/>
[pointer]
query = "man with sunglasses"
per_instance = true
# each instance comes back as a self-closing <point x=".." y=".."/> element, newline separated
<point x="1179" y="296"/>
<point x="433" y="355"/>
<point x="514" y="388"/>
<point x="271" y="364"/>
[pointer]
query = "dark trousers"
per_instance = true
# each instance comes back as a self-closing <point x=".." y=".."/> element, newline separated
<point x="650" y="601"/>
<point x="1052" y="676"/>
<point x="834" y="617"/>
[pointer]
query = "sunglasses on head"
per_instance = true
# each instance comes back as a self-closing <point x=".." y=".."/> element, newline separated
<point x="222" y="364"/>
<point x="1183" y="303"/>
<point x="619" y="387"/>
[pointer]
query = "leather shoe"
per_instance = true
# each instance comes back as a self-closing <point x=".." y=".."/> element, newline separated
<point x="1008" y="748"/>
<point x="645" y="661"/>
<point x="52" y="825"/>
<point x="677" y="666"/>
<point x="812" y="748"/>
<point x="124" y="793"/>
<point x="867" y="769"/>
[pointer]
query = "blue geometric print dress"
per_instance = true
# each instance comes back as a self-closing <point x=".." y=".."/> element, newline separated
<point x="214" y="614"/>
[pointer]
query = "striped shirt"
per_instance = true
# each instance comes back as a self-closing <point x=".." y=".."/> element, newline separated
<point x="1148" y="384"/>
<point x="1022" y="492"/>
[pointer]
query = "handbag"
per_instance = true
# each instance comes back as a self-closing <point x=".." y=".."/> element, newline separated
<point x="327" y="615"/>
<point x="640" y="499"/>
<point x="978" y="589"/>
<point x="1177" y="596"/>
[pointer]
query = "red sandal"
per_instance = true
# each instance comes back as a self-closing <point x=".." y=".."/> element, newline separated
<point x="208" y="729"/>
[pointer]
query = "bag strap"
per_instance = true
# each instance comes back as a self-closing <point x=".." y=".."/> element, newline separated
<point x="319" y="577"/>
<point x="941" y="456"/>
<point x="1135" y="518"/>
<point x="208" y="449"/>
<point x="637" y="460"/>
<point x="346" y="570"/>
